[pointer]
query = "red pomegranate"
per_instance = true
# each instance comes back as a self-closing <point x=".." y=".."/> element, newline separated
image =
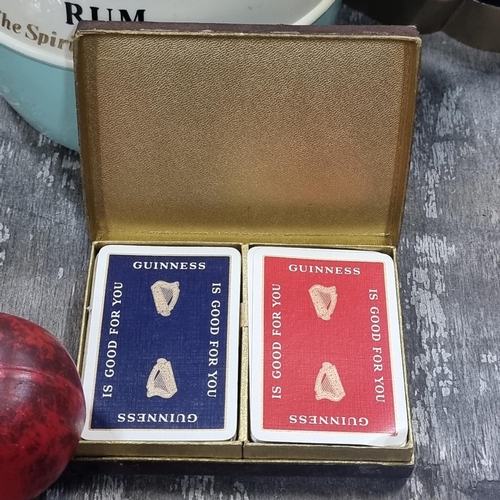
<point x="42" y="408"/>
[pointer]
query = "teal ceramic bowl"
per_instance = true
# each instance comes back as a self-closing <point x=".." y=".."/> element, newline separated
<point x="44" y="95"/>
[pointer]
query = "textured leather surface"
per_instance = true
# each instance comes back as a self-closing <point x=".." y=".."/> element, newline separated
<point x="247" y="137"/>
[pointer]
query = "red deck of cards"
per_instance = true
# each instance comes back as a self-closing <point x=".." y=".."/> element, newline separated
<point x="325" y="352"/>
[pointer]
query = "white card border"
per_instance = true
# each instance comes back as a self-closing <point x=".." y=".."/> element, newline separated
<point x="94" y="330"/>
<point x="256" y="257"/>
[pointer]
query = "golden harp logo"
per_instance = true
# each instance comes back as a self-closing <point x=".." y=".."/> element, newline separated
<point x="328" y="384"/>
<point x="165" y="296"/>
<point x="161" y="380"/>
<point x="324" y="300"/>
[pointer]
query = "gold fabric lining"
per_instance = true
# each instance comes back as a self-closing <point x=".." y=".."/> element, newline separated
<point x="286" y="134"/>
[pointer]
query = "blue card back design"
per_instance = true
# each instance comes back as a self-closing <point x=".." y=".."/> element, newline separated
<point x="136" y="340"/>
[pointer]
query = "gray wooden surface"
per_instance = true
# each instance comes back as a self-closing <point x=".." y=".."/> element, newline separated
<point x="449" y="261"/>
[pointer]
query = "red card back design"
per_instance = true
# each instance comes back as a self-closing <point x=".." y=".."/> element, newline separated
<point x="326" y="360"/>
<point x="298" y="343"/>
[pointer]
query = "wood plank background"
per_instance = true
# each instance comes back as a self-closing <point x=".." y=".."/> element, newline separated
<point x="449" y="275"/>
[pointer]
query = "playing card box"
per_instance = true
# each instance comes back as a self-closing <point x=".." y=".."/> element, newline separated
<point x="249" y="139"/>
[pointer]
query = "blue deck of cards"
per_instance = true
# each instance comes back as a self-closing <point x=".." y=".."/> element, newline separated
<point x="161" y="358"/>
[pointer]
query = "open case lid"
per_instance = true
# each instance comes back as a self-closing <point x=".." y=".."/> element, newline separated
<point x="280" y="134"/>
